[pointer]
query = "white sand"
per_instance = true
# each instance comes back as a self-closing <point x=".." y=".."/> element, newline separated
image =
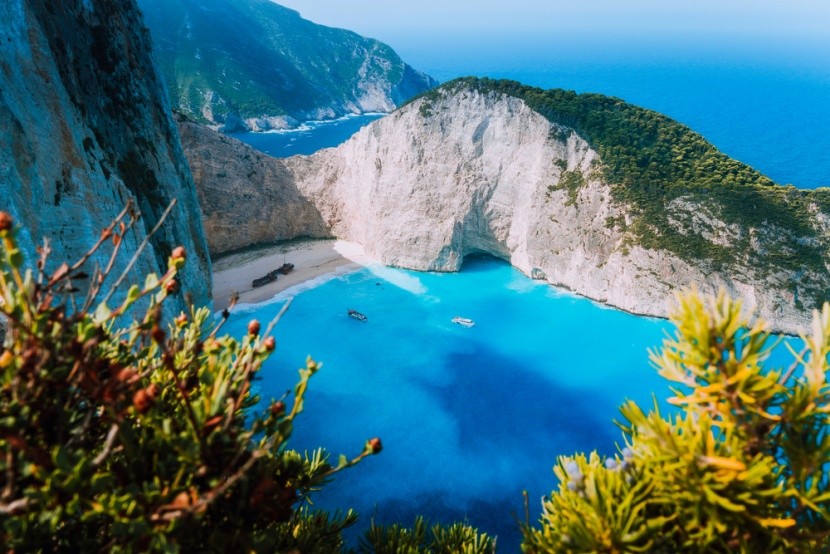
<point x="311" y="258"/>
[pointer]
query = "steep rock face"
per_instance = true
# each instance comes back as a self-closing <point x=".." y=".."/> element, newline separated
<point x="465" y="171"/>
<point x="253" y="64"/>
<point x="247" y="197"/>
<point x="482" y="172"/>
<point x="424" y="192"/>
<point x="85" y="126"/>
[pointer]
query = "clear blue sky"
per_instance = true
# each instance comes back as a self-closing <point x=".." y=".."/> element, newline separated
<point x="387" y="19"/>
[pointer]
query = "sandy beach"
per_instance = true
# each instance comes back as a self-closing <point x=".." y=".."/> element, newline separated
<point x="311" y="258"/>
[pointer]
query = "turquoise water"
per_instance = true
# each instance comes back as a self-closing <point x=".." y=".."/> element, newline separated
<point x="469" y="417"/>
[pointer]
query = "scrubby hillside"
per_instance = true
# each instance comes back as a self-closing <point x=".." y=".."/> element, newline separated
<point x="255" y="64"/>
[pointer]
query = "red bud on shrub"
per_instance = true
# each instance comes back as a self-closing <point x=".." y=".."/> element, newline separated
<point x="374" y="445"/>
<point x="6" y="221"/>
<point x="253" y="327"/>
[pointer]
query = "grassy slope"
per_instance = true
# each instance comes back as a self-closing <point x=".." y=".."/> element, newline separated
<point x="650" y="160"/>
<point x="262" y="58"/>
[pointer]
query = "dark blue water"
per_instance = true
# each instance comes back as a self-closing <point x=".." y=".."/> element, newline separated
<point x="761" y="103"/>
<point x="469" y="417"/>
<point x="765" y="102"/>
<point x="308" y="138"/>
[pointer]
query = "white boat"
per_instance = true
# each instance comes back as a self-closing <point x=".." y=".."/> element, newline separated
<point x="463" y="321"/>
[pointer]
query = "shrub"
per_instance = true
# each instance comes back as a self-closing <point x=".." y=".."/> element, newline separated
<point x="742" y="466"/>
<point x="453" y="539"/>
<point x="124" y="433"/>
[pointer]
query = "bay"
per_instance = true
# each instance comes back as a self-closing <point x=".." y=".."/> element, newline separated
<point x="469" y="417"/>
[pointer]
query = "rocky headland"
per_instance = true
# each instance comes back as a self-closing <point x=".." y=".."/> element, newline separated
<point x="255" y="65"/>
<point x="247" y="198"/>
<point x="521" y="174"/>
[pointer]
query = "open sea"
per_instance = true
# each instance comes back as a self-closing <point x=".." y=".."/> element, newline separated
<point x="768" y="107"/>
<point x="308" y="138"/>
<point x="471" y="417"/>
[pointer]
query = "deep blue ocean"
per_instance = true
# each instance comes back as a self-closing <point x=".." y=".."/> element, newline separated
<point x="308" y="137"/>
<point x="764" y="105"/>
<point x="470" y="418"/>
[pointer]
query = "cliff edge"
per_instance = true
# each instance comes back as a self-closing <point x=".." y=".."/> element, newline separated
<point x="256" y="65"/>
<point x="616" y="203"/>
<point x="84" y="126"/>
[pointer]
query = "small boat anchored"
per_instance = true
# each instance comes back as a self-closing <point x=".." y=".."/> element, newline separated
<point x="269" y="277"/>
<point x="357" y="315"/>
<point x="463" y="321"/>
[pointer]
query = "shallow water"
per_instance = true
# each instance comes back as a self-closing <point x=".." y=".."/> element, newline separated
<point x="469" y="417"/>
<point x="472" y="417"/>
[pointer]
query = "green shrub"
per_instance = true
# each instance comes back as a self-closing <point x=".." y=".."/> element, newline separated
<point x="741" y="467"/>
<point x="454" y="539"/>
<point x="125" y="434"/>
<point x="122" y="433"/>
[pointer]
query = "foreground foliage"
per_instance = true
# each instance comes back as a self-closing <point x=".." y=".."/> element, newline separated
<point x="422" y="539"/>
<point x="122" y="433"/>
<point x="741" y="466"/>
<point x="127" y="433"/>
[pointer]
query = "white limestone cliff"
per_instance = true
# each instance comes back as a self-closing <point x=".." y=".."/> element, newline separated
<point x="483" y="173"/>
<point x="487" y="176"/>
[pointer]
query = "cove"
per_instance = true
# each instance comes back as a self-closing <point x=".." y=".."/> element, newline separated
<point x="469" y="417"/>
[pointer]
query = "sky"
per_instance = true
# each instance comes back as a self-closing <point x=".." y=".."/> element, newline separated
<point x="804" y="20"/>
<point x="452" y="37"/>
<point x="716" y="65"/>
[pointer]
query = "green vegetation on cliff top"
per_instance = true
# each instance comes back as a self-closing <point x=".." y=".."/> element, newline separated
<point x="651" y="160"/>
<point x="255" y="58"/>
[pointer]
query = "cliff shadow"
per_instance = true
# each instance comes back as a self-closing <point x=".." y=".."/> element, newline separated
<point x="248" y="198"/>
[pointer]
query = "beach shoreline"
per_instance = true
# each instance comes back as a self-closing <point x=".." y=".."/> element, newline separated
<point x="312" y="258"/>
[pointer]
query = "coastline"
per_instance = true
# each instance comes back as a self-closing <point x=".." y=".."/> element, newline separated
<point x="312" y="259"/>
<point x="300" y="126"/>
